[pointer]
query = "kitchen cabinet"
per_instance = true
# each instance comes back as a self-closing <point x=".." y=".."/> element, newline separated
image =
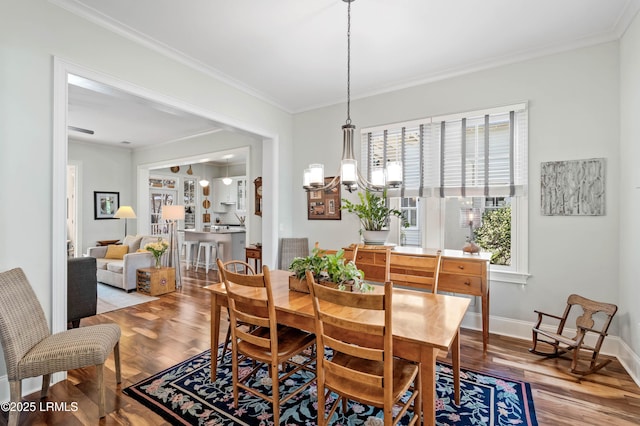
<point x="224" y="196"/>
<point x="241" y="194"/>
<point x="189" y="201"/>
<point x="231" y="197"/>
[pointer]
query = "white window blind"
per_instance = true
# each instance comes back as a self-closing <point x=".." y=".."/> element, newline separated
<point x="478" y="153"/>
<point x="398" y="143"/>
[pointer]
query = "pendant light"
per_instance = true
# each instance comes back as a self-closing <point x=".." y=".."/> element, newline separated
<point x="227" y="180"/>
<point x="203" y="182"/>
<point x="349" y="175"/>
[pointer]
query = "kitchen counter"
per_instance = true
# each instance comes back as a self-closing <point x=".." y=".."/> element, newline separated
<point x="231" y="242"/>
<point x="227" y="230"/>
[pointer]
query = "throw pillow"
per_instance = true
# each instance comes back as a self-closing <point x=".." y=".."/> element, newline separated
<point x="133" y="242"/>
<point x="116" y="252"/>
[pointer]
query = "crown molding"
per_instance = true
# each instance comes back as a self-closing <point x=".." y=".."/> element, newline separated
<point x="121" y="29"/>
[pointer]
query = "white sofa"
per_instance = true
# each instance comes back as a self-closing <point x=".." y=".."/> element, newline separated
<point x="121" y="273"/>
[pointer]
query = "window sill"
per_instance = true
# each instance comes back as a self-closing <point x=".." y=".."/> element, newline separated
<point x="508" y="276"/>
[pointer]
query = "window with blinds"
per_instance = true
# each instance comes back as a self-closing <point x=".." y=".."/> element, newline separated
<point x="454" y="165"/>
<point x="479" y="153"/>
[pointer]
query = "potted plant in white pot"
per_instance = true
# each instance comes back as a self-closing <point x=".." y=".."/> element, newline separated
<point x="374" y="214"/>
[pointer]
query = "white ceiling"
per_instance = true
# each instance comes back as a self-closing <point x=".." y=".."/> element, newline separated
<point x="292" y="53"/>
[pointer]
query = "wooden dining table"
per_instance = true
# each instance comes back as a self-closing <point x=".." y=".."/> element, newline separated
<point x="423" y="325"/>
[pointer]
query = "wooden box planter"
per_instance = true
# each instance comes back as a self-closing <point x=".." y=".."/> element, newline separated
<point x="297" y="284"/>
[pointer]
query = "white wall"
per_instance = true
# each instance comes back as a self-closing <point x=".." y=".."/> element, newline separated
<point x="574" y="114"/>
<point x="106" y="169"/>
<point x="31" y="34"/>
<point x="629" y="287"/>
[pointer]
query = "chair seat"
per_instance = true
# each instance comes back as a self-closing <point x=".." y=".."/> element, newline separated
<point x="562" y="339"/>
<point x="290" y="340"/>
<point x="68" y="350"/>
<point x="404" y="373"/>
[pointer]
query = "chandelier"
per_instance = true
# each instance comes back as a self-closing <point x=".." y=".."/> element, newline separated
<point x="349" y="174"/>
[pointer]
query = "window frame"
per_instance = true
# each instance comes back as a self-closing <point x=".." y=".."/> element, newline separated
<point x="431" y="209"/>
<point x="517" y="272"/>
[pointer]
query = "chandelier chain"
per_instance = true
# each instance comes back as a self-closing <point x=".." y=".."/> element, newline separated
<point x="349" y="174"/>
<point x="349" y="62"/>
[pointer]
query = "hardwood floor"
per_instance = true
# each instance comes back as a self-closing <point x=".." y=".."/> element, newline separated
<point x="159" y="334"/>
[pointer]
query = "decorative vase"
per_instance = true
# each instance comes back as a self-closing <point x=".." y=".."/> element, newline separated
<point x="375" y="238"/>
<point x="471" y="247"/>
<point x="158" y="261"/>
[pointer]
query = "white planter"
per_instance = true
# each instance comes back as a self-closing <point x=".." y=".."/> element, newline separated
<point x="375" y="238"/>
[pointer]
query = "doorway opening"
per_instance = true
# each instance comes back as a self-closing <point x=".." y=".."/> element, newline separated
<point x="62" y="70"/>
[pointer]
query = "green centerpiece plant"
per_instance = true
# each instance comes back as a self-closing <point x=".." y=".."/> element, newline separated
<point x="327" y="269"/>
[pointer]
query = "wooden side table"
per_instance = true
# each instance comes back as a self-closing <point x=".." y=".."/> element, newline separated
<point x="255" y="253"/>
<point x="156" y="281"/>
<point x="106" y="242"/>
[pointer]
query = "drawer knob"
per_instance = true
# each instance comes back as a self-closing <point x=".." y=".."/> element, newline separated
<point x="467" y="282"/>
<point x="460" y="267"/>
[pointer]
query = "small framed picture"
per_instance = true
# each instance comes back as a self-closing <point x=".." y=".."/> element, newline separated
<point x="324" y="205"/>
<point x="105" y="204"/>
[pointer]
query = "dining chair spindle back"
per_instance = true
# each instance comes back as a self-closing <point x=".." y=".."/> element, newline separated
<point x="357" y="328"/>
<point x="251" y="303"/>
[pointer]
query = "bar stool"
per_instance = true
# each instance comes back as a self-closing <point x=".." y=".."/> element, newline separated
<point x="189" y="247"/>
<point x="209" y="259"/>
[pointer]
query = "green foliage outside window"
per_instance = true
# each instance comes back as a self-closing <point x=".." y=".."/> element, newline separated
<point x="494" y="235"/>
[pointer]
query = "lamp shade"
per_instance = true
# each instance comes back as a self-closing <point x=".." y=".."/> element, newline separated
<point x="316" y="174"/>
<point x="125" y="212"/>
<point x="173" y="212"/>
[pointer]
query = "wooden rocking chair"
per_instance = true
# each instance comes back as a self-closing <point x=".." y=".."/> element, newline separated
<point x="584" y="325"/>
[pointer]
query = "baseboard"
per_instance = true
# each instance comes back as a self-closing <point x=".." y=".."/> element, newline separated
<point x="613" y="345"/>
<point x="29" y="386"/>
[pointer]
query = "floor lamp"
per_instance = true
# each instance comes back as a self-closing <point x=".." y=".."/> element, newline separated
<point x="173" y="214"/>
<point x="125" y="212"/>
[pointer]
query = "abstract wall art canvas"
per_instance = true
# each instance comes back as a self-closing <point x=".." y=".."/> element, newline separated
<point x="573" y="188"/>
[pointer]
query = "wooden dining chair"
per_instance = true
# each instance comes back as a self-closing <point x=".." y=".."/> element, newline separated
<point x="421" y="272"/>
<point x="357" y="328"/>
<point x="251" y="303"/>
<point x="349" y="254"/>
<point x="237" y="266"/>
<point x="563" y="341"/>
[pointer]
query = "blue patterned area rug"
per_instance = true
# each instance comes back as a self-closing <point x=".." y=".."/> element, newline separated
<point x="183" y="395"/>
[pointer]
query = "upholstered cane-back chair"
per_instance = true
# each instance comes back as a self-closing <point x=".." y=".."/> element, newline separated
<point x="251" y="303"/>
<point x="289" y="249"/>
<point x="30" y="350"/>
<point x="238" y="267"/>
<point x="360" y="366"/>
<point x="591" y="328"/>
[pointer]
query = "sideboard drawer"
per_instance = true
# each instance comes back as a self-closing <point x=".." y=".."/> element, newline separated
<point x="365" y="258"/>
<point x="460" y="284"/>
<point x="457" y="266"/>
